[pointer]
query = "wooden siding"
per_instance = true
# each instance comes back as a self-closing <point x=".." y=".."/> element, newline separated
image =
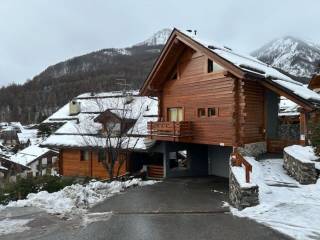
<point x="252" y="112"/>
<point x="195" y="88"/>
<point x="72" y="166"/>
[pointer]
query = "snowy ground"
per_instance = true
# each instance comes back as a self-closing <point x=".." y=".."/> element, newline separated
<point x="285" y="205"/>
<point x="70" y="202"/>
<point x="8" y="226"/>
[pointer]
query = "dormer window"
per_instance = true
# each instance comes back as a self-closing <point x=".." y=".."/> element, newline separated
<point x="210" y="66"/>
<point x="213" y="67"/>
<point x="174" y="74"/>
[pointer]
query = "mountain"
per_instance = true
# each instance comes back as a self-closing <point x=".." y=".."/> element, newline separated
<point x="101" y="70"/>
<point x="292" y="55"/>
<point x="159" y="38"/>
<point x="93" y="72"/>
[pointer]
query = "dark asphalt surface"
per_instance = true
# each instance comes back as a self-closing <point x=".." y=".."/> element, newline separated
<point x="184" y="208"/>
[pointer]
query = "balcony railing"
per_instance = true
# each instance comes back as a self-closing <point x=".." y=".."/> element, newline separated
<point x="170" y="131"/>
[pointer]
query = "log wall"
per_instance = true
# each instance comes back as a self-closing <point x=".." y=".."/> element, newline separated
<point x="194" y="89"/>
<point x="72" y="166"/>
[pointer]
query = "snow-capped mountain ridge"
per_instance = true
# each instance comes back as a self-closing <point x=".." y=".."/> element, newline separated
<point x="292" y="55"/>
<point x="159" y="38"/>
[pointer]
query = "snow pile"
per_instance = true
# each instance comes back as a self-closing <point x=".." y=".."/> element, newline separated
<point x="75" y="199"/>
<point x="304" y="154"/>
<point x="8" y="226"/>
<point x="285" y="205"/>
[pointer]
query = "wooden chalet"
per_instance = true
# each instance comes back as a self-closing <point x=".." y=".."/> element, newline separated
<point x="81" y="139"/>
<point x="314" y="83"/>
<point x="212" y="100"/>
<point x="10" y="169"/>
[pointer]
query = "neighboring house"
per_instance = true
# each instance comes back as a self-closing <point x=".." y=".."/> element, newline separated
<point x="81" y="138"/>
<point x="9" y="170"/>
<point x="212" y="100"/>
<point x="314" y="83"/>
<point x="9" y="137"/>
<point x="39" y="160"/>
<point x="18" y="137"/>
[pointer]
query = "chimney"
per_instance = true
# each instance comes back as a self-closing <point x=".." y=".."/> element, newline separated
<point x="74" y="107"/>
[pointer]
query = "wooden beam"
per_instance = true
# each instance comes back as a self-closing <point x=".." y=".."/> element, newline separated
<point x="291" y="96"/>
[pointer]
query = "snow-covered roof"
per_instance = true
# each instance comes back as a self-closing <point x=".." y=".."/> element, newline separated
<point x="29" y="154"/>
<point x="3" y="168"/>
<point x="252" y="65"/>
<point x="81" y="130"/>
<point x="288" y="108"/>
<point x="28" y="134"/>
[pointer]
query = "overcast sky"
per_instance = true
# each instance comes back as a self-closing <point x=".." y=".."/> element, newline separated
<point x="37" y="33"/>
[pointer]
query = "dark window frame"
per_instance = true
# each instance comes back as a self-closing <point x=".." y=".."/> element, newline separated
<point x="201" y="112"/>
<point x="210" y="66"/>
<point x="215" y="111"/>
<point x="83" y="154"/>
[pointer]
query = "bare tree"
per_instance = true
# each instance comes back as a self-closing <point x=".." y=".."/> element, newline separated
<point x="114" y="130"/>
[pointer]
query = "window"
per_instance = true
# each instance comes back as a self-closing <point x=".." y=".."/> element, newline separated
<point x="85" y="155"/>
<point x="212" y="112"/>
<point x="201" y="112"/>
<point x="102" y="155"/>
<point x="174" y="74"/>
<point x="210" y="66"/>
<point x="113" y="128"/>
<point x="213" y="67"/>
<point x="175" y="114"/>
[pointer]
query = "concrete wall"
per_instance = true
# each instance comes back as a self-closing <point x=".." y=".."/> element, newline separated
<point x="218" y="160"/>
<point x="272" y="109"/>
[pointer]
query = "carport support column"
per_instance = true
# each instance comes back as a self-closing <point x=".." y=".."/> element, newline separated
<point x="303" y="128"/>
<point x="166" y="163"/>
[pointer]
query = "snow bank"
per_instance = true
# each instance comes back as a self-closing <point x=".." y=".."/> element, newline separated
<point x="9" y="226"/>
<point x="304" y="154"/>
<point x="285" y="205"/>
<point x="75" y="199"/>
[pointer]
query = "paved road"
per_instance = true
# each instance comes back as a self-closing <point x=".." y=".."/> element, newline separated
<point x="185" y="208"/>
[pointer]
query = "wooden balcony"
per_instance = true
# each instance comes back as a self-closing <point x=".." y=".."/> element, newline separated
<point x="170" y="131"/>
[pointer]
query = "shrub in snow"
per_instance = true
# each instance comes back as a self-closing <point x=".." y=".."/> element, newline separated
<point x="25" y="186"/>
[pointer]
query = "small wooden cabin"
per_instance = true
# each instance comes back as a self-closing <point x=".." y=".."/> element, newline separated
<point x="211" y="100"/>
<point x="82" y="138"/>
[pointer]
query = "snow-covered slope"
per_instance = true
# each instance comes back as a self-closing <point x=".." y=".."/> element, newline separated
<point x="159" y="38"/>
<point x="294" y="56"/>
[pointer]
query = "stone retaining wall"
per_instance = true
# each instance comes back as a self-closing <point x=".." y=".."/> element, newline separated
<point x="303" y="172"/>
<point x="241" y="197"/>
<point x="253" y="149"/>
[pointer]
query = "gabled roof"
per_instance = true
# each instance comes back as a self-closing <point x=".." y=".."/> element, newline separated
<point x="239" y="65"/>
<point x="29" y="155"/>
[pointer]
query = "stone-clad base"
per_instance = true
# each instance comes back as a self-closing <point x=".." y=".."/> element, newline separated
<point x="242" y="197"/>
<point x="253" y="149"/>
<point x="303" y="172"/>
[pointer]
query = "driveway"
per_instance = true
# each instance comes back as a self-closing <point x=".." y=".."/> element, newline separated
<point x="184" y="208"/>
